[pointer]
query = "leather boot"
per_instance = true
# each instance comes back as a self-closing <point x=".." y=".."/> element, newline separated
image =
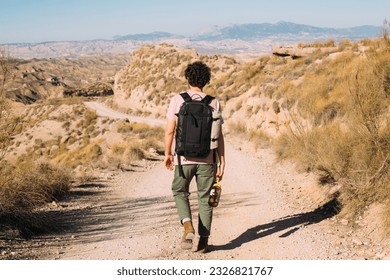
<point x="188" y="235"/>
<point x="203" y="245"/>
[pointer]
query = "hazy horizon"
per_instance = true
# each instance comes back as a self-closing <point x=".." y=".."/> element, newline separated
<point x="36" y="21"/>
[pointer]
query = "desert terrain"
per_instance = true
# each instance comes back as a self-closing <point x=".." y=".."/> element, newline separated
<point x="102" y="118"/>
<point x="268" y="210"/>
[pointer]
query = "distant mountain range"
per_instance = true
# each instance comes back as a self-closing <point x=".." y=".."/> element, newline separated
<point x="148" y="36"/>
<point x="260" y="31"/>
<point x="240" y="38"/>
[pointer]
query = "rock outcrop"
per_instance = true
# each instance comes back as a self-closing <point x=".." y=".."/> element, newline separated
<point x="93" y="90"/>
<point x="297" y="52"/>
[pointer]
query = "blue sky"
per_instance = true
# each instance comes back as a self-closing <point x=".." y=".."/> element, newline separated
<point x="58" y="20"/>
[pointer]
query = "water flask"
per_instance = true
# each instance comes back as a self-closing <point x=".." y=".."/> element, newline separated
<point x="215" y="194"/>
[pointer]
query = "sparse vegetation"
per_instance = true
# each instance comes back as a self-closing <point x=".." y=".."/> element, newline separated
<point x="328" y="109"/>
<point x="341" y="127"/>
<point x="157" y="72"/>
<point x="46" y="144"/>
<point x="257" y="138"/>
<point x="9" y="124"/>
<point x="25" y="187"/>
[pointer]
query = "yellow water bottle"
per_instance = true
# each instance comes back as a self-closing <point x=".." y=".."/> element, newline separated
<point x="215" y="194"/>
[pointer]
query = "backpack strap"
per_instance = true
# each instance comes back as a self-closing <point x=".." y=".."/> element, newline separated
<point x="186" y="96"/>
<point x="207" y="99"/>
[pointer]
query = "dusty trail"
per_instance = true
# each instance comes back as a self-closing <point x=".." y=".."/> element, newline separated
<point x="267" y="211"/>
<point x="104" y="111"/>
<point x="137" y="218"/>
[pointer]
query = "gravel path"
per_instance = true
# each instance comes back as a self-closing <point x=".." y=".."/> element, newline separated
<point x="260" y="216"/>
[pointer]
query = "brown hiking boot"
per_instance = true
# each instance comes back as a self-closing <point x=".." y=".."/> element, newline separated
<point x="203" y="245"/>
<point x="188" y="236"/>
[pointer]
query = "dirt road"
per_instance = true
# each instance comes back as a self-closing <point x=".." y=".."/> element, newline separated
<point x="267" y="211"/>
<point x="104" y="111"/>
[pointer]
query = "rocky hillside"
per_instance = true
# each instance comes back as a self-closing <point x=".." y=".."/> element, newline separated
<point x="323" y="105"/>
<point x="257" y="95"/>
<point x="155" y="73"/>
<point x="295" y="89"/>
<point x="38" y="79"/>
<point x="50" y="122"/>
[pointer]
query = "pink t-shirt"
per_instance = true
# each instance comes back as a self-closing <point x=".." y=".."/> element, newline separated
<point x="174" y="108"/>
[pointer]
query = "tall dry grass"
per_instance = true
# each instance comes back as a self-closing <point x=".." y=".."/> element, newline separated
<point x="140" y="140"/>
<point x="258" y="138"/>
<point x="352" y="146"/>
<point x="24" y="188"/>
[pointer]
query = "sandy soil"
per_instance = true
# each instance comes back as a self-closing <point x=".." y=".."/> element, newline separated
<point x="268" y="210"/>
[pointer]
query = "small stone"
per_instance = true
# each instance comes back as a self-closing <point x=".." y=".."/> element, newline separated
<point x="366" y="241"/>
<point x="54" y="148"/>
<point x="380" y="255"/>
<point x="357" y="241"/>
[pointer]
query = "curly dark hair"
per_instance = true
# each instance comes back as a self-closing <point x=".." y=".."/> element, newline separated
<point x="198" y="74"/>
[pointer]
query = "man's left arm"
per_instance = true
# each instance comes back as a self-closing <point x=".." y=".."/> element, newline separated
<point x="221" y="156"/>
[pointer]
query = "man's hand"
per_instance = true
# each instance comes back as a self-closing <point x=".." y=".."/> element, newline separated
<point x="220" y="172"/>
<point x="168" y="162"/>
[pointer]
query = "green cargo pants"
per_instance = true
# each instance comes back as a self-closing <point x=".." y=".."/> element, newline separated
<point x="204" y="174"/>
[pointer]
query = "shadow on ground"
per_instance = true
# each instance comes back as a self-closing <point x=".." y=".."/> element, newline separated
<point x="123" y="217"/>
<point x="101" y="218"/>
<point x="289" y="223"/>
<point x="92" y="214"/>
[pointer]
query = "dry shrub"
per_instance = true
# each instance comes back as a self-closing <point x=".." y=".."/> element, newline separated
<point x="238" y="127"/>
<point x="140" y="141"/>
<point x="353" y="148"/>
<point x="143" y="130"/>
<point x="132" y="127"/>
<point x="85" y="155"/>
<point x="89" y="119"/>
<point x="370" y="124"/>
<point x="125" y="153"/>
<point x="257" y="137"/>
<point x="25" y="187"/>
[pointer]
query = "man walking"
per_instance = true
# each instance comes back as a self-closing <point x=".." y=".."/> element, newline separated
<point x="204" y="169"/>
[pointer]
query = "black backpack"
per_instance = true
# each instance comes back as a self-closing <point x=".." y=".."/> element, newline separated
<point x="193" y="129"/>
